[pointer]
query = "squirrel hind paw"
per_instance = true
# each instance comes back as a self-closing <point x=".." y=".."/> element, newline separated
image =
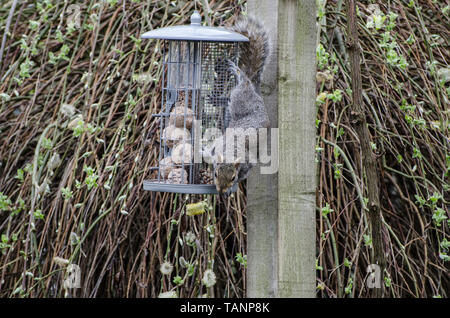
<point x="239" y="74"/>
<point x="234" y="68"/>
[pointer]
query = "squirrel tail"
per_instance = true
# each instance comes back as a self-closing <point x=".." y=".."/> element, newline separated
<point x="253" y="54"/>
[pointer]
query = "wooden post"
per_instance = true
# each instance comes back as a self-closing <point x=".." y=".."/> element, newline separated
<point x="281" y="208"/>
<point x="262" y="189"/>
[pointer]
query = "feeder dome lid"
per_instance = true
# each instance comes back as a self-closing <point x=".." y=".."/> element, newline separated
<point x="195" y="32"/>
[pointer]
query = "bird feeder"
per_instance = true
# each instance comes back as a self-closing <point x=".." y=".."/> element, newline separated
<point x="195" y="92"/>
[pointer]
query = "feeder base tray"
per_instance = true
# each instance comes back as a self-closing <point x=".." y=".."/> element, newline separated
<point x="154" y="185"/>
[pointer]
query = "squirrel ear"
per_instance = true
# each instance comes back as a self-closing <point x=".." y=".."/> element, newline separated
<point x="219" y="158"/>
<point x="237" y="162"/>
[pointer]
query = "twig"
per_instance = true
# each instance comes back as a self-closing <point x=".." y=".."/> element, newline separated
<point x="8" y="23"/>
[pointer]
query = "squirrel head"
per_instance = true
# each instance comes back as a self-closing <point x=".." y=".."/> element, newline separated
<point x="225" y="174"/>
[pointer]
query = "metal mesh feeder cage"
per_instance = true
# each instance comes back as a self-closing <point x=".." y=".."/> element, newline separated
<point x="196" y="87"/>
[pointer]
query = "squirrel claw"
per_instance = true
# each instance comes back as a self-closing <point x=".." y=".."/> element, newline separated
<point x="234" y="68"/>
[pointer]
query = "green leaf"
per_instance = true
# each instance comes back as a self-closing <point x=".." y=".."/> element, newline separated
<point x="347" y="263"/>
<point x="326" y="210"/>
<point x="178" y="280"/>
<point x="367" y="240"/>
<point x="20" y="175"/>
<point x="66" y="193"/>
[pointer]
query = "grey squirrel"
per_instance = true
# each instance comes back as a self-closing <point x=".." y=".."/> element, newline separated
<point x="246" y="106"/>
